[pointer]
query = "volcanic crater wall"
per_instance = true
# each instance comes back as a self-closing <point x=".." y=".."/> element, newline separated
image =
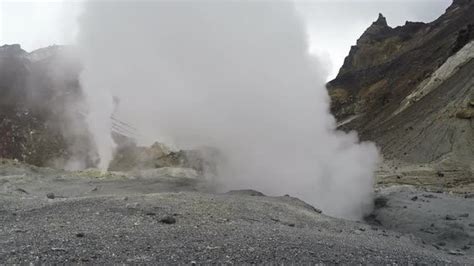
<point x="411" y="88"/>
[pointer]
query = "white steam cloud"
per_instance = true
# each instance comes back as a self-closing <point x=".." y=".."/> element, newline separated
<point x="234" y="75"/>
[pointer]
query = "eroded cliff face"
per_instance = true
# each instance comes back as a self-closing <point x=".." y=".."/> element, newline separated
<point x="410" y="88"/>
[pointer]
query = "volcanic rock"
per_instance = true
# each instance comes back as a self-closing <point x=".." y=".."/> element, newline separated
<point x="409" y="89"/>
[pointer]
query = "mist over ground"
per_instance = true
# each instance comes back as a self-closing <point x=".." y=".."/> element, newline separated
<point x="235" y="76"/>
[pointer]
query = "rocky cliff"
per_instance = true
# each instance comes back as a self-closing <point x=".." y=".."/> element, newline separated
<point x="41" y="116"/>
<point x="411" y="89"/>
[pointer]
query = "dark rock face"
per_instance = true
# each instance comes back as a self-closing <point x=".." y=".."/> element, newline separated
<point x="42" y="117"/>
<point x="40" y="95"/>
<point x="384" y="70"/>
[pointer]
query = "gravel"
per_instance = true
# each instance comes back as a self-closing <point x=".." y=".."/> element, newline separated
<point x="179" y="221"/>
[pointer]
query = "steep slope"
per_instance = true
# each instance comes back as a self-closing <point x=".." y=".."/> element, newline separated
<point x="410" y="89"/>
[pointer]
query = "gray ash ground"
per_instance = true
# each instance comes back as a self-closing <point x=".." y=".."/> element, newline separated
<point x="124" y="219"/>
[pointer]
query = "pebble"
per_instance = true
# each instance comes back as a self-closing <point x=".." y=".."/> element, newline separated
<point x="168" y="220"/>
<point x="50" y="196"/>
<point x="22" y="190"/>
<point x="450" y="217"/>
<point x="59" y="249"/>
<point x="132" y="205"/>
<point x="455" y="252"/>
<point x="464" y="215"/>
<point x="80" y="234"/>
<point x="414" y="198"/>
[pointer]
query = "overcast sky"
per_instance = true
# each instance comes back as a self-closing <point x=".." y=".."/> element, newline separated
<point x="333" y="25"/>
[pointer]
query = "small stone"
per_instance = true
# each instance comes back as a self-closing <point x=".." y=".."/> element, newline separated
<point x="415" y="198"/>
<point x="440" y="174"/>
<point x="441" y="244"/>
<point x="450" y="217"/>
<point x="22" y="190"/>
<point x="50" y="195"/>
<point x="80" y="234"/>
<point x="471" y="224"/>
<point x="465" y="113"/>
<point x="466" y="247"/>
<point x="150" y="213"/>
<point x="464" y="215"/>
<point x="455" y="252"/>
<point x="246" y="192"/>
<point x="132" y="205"/>
<point x="168" y="220"/>
<point x="125" y="198"/>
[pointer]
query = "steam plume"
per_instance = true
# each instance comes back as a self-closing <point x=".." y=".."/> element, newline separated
<point x="234" y="75"/>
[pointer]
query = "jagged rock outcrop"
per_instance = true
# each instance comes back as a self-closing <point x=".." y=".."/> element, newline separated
<point x="408" y="88"/>
<point x="129" y="157"/>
